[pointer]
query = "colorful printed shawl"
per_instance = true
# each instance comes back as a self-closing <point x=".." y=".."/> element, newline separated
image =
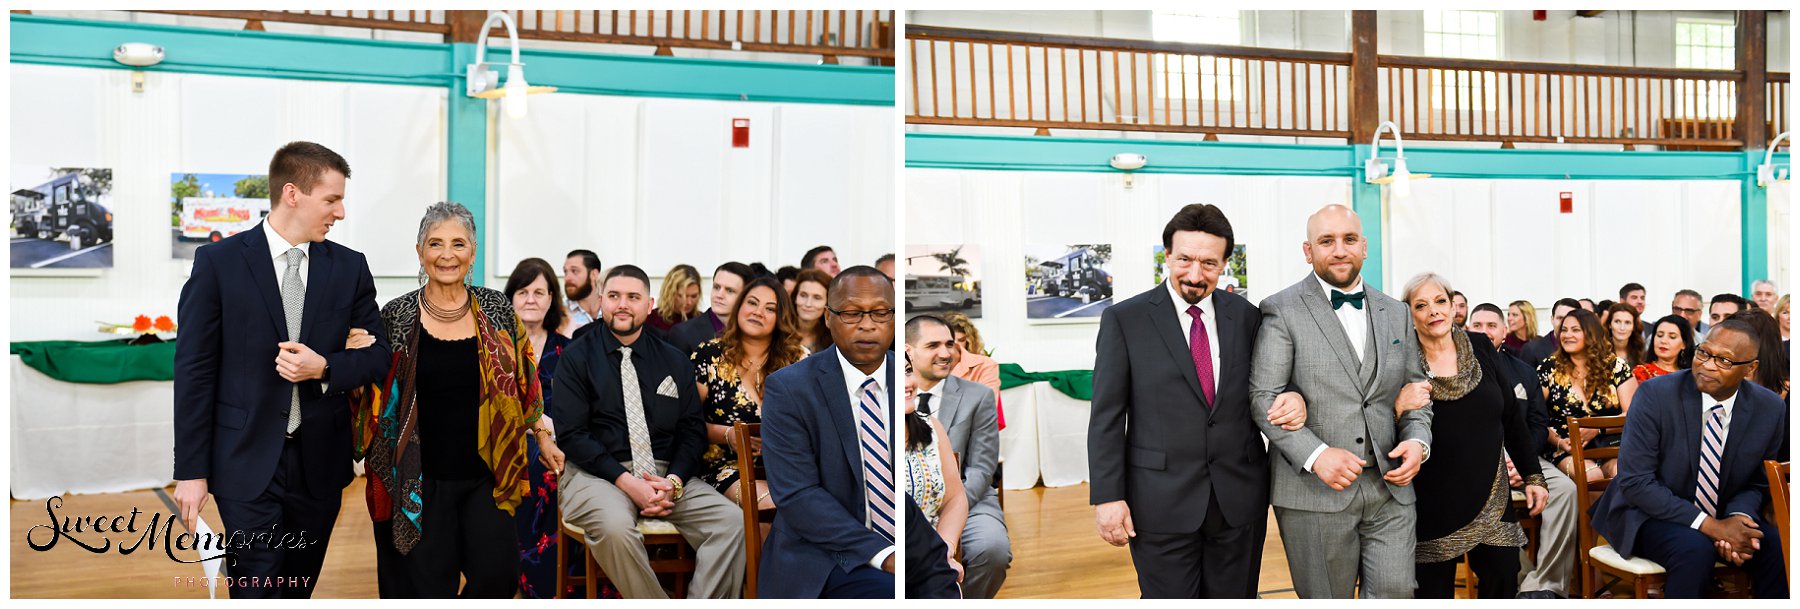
<point x="384" y="418"/>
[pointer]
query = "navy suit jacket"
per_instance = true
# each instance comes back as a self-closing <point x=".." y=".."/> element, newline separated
<point x="810" y="447"/>
<point x="231" y="407"/>
<point x="1659" y="458"/>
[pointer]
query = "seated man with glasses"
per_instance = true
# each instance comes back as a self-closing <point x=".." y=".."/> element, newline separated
<point x="827" y="447"/>
<point x="1691" y="487"/>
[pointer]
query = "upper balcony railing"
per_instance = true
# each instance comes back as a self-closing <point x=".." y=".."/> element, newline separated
<point x="1009" y="79"/>
<point x="830" y="34"/>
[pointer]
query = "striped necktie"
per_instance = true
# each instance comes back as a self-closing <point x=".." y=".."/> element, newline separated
<point x="878" y="480"/>
<point x="1712" y="450"/>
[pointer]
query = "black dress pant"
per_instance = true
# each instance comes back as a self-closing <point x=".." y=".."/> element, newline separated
<point x="1218" y="561"/>
<point x="273" y="567"/>
<point x="463" y="535"/>
<point x="1496" y="573"/>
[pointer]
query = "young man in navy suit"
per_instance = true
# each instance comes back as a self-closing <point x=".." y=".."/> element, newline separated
<point x="262" y="420"/>
<point x="826" y="444"/>
<point x="1691" y="486"/>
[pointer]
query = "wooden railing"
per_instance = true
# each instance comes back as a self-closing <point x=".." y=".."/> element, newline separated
<point x="1777" y="105"/>
<point x="973" y="77"/>
<point x="987" y="78"/>
<point x="827" y="33"/>
<point x="1474" y="100"/>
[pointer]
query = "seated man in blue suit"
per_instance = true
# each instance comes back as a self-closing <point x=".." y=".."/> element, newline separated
<point x="1690" y="488"/>
<point x="825" y="424"/>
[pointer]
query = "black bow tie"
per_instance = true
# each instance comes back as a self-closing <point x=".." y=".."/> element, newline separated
<point x="1339" y="299"/>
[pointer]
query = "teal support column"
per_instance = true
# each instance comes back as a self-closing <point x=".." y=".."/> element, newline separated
<point x="1753" y="220"/>
<point x="466" y="165"/>
<point x="1365" y="200"/>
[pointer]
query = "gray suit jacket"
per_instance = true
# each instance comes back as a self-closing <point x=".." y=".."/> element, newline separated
<point x="1303" y="347"/>
<point x="969" y="416"/>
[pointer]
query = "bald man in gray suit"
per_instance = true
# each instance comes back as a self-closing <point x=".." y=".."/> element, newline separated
<point x="1341" y="484"/>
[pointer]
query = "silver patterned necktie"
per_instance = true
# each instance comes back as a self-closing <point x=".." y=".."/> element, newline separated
<point x="293" y="300"/>
<point x="643" y="459"/>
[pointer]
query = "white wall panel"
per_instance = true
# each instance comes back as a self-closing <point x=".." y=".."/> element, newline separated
<point x="657" y="182"/>
<point x="1495" y="240"/>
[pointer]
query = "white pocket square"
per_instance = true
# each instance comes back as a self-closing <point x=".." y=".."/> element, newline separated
<point x="1519" y="391"/>
<point x="667" y="388"/>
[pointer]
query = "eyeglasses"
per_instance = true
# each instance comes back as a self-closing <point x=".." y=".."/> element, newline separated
<point x="856" y="317"/>
<point x="1701" y="356"/>
<point x="1684" y="310"/>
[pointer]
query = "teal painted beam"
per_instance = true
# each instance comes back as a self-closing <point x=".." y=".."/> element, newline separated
<point x="85" y="43"/>
<point x="466" y="165"/>
<point x="1016" y="153"/>
<point x="756" y="81"/>
<point x="1365" y="200"/>
<point x="951" y="151"/>
<point x="1753" y="220"/>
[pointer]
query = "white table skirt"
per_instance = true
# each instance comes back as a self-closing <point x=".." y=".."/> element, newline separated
<point x="77" y="438"/>
<point x="1045" y="437"/>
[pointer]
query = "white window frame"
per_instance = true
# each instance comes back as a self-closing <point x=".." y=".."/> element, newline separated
<point x="1464" y="89"/>
<point x="1722" y="56"/>
<point x="1199" y="70"/>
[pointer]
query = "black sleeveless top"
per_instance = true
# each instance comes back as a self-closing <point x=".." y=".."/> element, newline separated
<point x="449" y="388"/>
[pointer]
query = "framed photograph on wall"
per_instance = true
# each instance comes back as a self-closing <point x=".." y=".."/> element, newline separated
<point x="207" y="207"/>
<point x="944" y="278"/>
<point x="1068" y="282"/>
<point x="62" y="218"/>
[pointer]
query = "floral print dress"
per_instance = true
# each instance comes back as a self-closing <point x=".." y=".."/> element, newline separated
<point x="727" y="402"/>
<point x="1559" y="396"/>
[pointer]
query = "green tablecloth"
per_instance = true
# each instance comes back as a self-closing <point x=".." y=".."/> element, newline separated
<point x="99" y="362"/>
<point x="1078" y="384"/>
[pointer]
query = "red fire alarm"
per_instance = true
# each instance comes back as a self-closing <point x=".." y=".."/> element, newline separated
<point x="1540" y="15"/>
<point x="740" y="133"/>
<point x="1568" y="202"/>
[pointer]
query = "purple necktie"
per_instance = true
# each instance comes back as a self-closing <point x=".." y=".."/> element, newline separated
<point x="1202" y="350"/>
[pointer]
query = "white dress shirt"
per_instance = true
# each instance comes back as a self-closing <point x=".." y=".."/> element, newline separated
<point x="278" y="247"/>
<point x="1706" y="404"/>
<point x="1354" y="320"/>
<point x="937" y="397"/>
<point x="853" y="380"/>
<point x="1209" y="314"/>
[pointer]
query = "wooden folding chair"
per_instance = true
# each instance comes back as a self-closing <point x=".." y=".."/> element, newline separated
<point x="749" y="471"/>
<point x="1597" y="556"/>
<point x="670" y="555"/>
<point x="1778" y="499"/>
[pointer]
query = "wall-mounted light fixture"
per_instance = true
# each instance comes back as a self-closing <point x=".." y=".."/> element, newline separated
<point x="138" y="54"/>
<point x="484" y="82"/>
<point x="1128" y="162"/>
<point x="1376" y="172"/>
<point x="1767" y="173"/>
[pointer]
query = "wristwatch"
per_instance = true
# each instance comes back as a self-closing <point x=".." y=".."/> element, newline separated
<point x="676" y="480"/>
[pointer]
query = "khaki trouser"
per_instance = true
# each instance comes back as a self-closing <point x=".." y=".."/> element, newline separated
<point x="709" y="522"/>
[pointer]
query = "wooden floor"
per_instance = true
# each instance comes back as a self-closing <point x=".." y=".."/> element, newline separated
<point x="1057" y="553"/>
<point x="69" y="571"/>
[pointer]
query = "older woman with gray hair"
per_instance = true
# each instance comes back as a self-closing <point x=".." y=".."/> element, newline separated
<point x="445" y="435"/>
<point x="1464" y="503"/>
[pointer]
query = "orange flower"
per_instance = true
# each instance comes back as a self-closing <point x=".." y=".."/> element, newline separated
<point x="164" y="324"/>
<point x="141" y="324"/>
